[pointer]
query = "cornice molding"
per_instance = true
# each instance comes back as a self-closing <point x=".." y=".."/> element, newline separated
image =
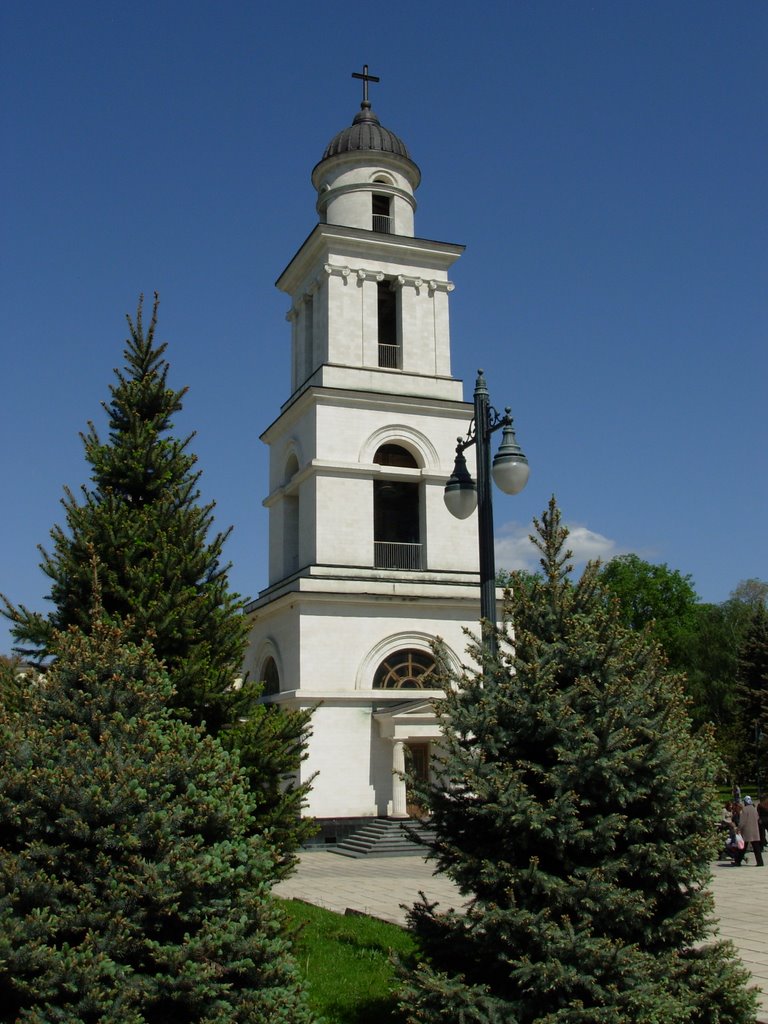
<point x="357" y="243"/>
<point x="362" y="274"/>
<point x="383" y="187"/>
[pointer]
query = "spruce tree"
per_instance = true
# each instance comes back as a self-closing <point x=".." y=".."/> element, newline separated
<point x="142" y="519"/>
<point x="14" y="682"/>
<point x="132" y="887"/>
<point x="574" y="808"/>
<point x="162" y="577"/>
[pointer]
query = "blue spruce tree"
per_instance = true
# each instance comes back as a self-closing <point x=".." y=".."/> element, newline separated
<point x="574" y="806"/>
<point x="133" y="889"/>
<point x="161" y="576"/>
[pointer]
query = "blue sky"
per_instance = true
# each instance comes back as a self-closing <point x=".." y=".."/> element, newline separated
<point x="604" y="163"/>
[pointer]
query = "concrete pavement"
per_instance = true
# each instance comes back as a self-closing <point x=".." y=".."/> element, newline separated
<point x="379" y="885"/>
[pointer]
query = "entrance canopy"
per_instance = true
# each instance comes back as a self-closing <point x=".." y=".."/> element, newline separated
<point x="408" y="720"/>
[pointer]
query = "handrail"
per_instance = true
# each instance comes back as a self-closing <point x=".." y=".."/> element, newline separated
<point x="393" y="555"/>
<point x="389" y="356"/>
<point x="382" y="222"/>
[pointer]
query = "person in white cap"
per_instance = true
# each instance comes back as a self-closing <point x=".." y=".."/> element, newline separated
<point x="750" y="831"/>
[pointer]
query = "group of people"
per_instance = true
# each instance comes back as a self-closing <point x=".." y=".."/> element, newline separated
<point x="746" y="824"/>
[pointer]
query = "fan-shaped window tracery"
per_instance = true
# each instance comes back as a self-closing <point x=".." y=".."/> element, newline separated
<point x="408" y="669"/>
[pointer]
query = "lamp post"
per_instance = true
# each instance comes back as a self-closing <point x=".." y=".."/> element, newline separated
<point x="510" y="472"/>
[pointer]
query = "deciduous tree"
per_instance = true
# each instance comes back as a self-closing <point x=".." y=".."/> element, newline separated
<point x="751" y="592"/>
<point x="655" y="597"/>
<point x="752" y="679"/>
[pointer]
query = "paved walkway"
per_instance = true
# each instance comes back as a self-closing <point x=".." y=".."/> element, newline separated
<point x="378" y="886"/>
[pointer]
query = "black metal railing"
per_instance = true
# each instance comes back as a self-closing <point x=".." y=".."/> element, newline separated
<point x="389" y="356"/>
<point x="382" y="222"/>
<point x="390" y="555"/>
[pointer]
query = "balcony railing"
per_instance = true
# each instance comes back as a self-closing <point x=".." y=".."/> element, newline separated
<point x="389" y="356"/>
<point x="390" y="555"/>
<point x="382" y="222"/>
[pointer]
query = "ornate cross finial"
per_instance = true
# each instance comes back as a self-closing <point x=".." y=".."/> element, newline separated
<point x="366" y="79"/>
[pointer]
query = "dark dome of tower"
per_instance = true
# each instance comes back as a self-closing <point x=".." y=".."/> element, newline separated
<point x="366" y="133"/>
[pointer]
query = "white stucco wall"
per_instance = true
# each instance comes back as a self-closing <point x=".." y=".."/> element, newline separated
<point x="345" y="184"/>
<point x="341" y="736"/>
<point x="329" y="617"/>
<point x="327" y="648"/>
<point x="335" y="482"/>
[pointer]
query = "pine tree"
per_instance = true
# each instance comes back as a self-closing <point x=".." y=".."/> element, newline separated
<point x="575" y="809"/>
<point x="162" y="578"/>
<point x="132" y="887"/>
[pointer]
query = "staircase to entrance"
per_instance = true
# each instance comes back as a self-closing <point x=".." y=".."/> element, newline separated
<point x="383" y="837"/>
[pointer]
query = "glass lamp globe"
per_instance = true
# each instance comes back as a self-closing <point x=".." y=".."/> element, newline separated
<point x="510" y="466"/>
<point x="460" y="494"/>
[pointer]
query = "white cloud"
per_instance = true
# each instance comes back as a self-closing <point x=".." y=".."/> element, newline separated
<point x="515" y="551"/>
<point x="588" y="545"/>
<point x="513" y="548"/>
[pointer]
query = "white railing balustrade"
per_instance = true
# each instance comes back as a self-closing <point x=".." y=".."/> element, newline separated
<point x="389" y="356"/>
<point x="391" y="555"/>
<point x="382" y="222"/>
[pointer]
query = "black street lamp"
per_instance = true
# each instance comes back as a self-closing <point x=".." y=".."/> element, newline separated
<point x="462" y="495"/>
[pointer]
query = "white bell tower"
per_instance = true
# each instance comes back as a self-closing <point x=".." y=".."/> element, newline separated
<point x="366" y="565"/>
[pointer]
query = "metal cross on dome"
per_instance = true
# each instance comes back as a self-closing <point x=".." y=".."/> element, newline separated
<point x="366" y="79"/>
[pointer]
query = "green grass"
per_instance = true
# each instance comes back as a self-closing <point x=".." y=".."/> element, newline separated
<point x="346" y="961"/>
<point x="724" y="792"/>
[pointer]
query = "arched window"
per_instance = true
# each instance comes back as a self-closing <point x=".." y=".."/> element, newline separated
<point x="388" y="319"/>
<point x="270" y="677"/>
<point x="290" y="520"/>
<point x="394" y="455"/>
<point x="382" y="213"/>
<point x="407" y="669"/>
<point x="396" y="513"/>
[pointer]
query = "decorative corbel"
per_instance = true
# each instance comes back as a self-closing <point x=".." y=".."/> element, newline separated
<point x="440" y="286"/>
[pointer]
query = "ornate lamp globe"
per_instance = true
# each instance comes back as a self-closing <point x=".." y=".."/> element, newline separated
<point x="510" y="466"/>
<point x="460" y="494"/>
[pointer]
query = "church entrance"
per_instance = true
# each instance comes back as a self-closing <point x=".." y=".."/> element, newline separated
<point x="417" y="763"/>
<point x="412" y="729"/>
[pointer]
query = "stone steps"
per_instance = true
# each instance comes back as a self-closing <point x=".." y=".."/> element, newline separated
<point x="382" y="837"/>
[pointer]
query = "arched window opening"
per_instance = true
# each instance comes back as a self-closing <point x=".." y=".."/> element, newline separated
<point x="407" y="669"/>
<point x="394" y="455"/>
<point x="290" y="534"/>
<point x="290" y="519"/>
<point x="382" y="213"/>
<point x="396" y="514"/>
<point x="309" y="336"/>
<point x="387" y="303"/>
<point x="270" y="678"/>
<point x="291" y="468"/>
